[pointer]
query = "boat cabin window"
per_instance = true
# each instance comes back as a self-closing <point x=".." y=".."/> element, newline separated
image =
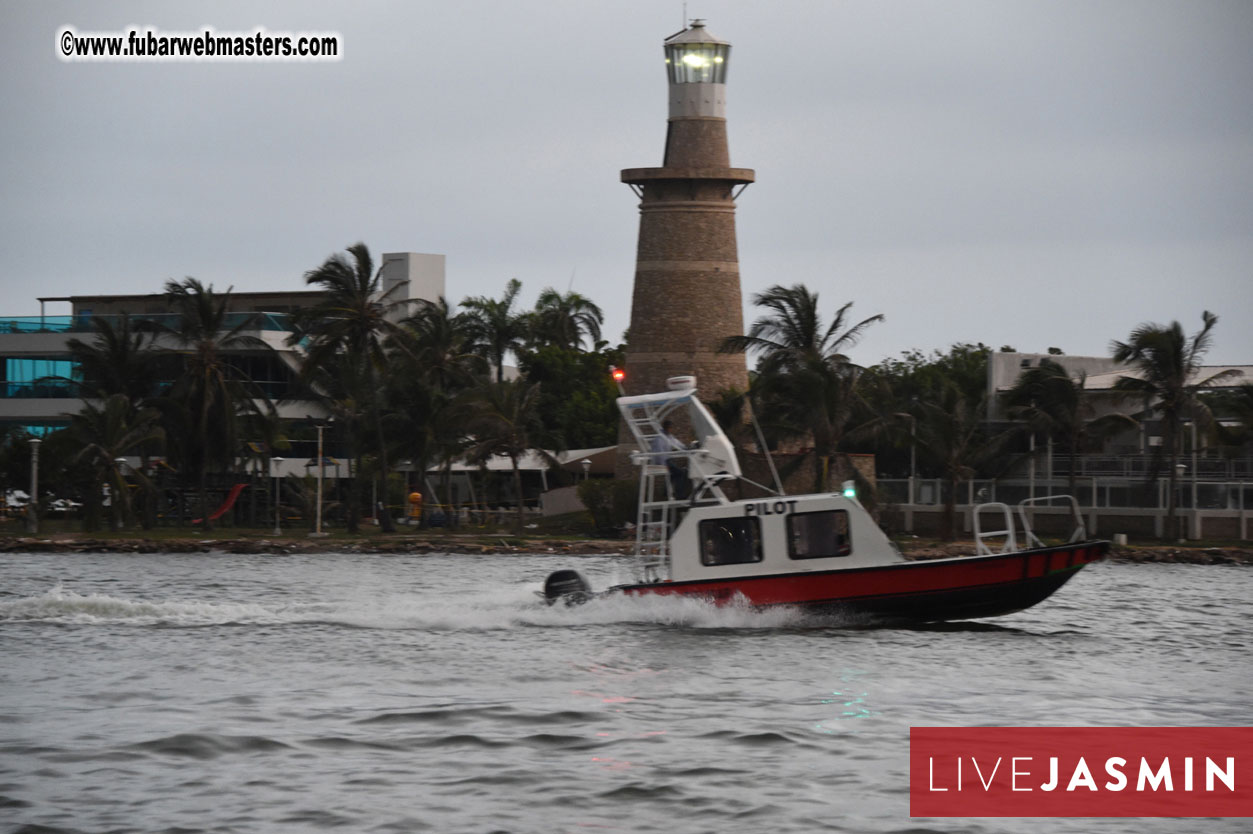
<point x="818" y="535"/>
<point x="730" y="541"/>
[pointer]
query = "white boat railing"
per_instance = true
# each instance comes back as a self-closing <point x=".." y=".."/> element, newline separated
<point x="1078" y="534"/>
<point x="1009" y="529"/>
<point x="981" y="535"/>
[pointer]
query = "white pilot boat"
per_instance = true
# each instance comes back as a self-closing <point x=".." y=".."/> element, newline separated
<point x="820" y="552"/>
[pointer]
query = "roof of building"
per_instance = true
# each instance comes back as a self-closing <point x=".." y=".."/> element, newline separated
<point x="1101" y="372"/>
<point x="602" y="461"/>
<point x="152" y="295"/>
<point x="696" y="33"/>
<point x="1106" y="381"/>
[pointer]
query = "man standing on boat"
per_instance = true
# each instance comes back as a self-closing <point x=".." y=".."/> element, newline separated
<point x="667" y="442"/>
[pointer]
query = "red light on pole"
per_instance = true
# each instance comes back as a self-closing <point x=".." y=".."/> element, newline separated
<point x="618" y="375"/>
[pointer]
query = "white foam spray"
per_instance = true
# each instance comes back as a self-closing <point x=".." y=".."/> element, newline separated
<point x="493" y="609"/>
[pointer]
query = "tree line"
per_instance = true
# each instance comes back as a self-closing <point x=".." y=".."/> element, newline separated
<point x="395" y="379"/>
<point x="805" y="386"/>
<point x="424" y="382"/>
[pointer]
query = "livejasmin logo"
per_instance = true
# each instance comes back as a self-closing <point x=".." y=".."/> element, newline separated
<point x="1081" y="774"/>
<point x="1081" y="771"/>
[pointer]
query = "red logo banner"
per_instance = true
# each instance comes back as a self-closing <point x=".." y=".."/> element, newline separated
<point x="1081" y="771"/>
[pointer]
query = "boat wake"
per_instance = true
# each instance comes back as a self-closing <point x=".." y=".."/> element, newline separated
<point x="67" y="607"/>
<point x="490" y="610"/>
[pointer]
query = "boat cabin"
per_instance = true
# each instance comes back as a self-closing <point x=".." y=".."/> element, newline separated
<point x="786" y="534"/>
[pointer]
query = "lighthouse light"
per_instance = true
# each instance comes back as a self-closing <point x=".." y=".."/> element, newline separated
<point x="696" y="57"/>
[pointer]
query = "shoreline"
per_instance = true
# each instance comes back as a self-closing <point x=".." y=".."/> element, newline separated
<point x="502" y="544"/>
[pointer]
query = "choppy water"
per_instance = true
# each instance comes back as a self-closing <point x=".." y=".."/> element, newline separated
<point x="177" y="693"/>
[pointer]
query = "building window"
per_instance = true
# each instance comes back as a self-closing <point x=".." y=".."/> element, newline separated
<point x="267" y="372"/>
<point x="38" y="377"/>
<point x="818" y="535"/>
<point x="730" y="541"/>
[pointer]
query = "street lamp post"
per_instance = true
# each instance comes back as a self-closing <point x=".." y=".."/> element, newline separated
<point x="1180" y="470"/>
<point x="317" y="533"/>
<point x="913" y="468"/>
<point x="32" y="505"/>
<point x="913" y="465"/>
<point x="118" y="506"/>
<point x="274" y="464"/>
<point x="1194" y="531"/>
<point x="913" y="454"/>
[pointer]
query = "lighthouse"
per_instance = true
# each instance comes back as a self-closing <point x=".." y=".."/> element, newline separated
<point x="686" y="298"/>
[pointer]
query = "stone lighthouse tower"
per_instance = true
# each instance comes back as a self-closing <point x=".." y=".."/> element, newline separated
<point x="687" y="274"/>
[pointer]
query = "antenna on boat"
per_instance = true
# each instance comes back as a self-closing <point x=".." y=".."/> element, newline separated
<point x="761" y="442"/>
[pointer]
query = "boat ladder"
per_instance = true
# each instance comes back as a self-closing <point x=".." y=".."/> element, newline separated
<point x="658" y="506"/>
<point x="657" y="517"/>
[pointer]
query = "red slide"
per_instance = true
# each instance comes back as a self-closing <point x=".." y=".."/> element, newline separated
<point x="226" y="505"/>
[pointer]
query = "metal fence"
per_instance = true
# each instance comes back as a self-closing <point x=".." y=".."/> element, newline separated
<point x="1093" y="492"/>
<point x="1141" y="466"/>
<point x="1216" y="505"/>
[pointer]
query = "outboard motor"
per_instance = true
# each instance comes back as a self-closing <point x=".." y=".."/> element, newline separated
<point x="568" y="587"/>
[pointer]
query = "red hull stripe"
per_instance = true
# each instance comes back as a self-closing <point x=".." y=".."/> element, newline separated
<point x="901" y="579"/>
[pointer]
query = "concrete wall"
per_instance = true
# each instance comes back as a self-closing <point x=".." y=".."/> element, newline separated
<point x="412" y="276"/>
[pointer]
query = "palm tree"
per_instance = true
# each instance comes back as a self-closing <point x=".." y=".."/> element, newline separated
<point x="353" y="318"/>
<point x="106" y="432"/>
<point x="268" y="435"/>
<point x="427" y="424"/>
<point x="439" y="345"/>
<point x="504" y="419"/>
<point x="119" y="360"/>
<point x="494" y="328"/>
<point x="210" y="391"/>
<point x="951" y="431"/>
<point x="1168" y="368"/>
<point x="804" y="374"/>
<point x="1239" y="404"/>
<point x="434" y="366"/>
<point x="564" y="320"/>
<point x="339" y="384"/>
<point x="1057" y="405"/>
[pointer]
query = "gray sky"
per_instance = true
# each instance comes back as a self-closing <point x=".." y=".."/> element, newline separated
<point x="1027" y="173"/>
